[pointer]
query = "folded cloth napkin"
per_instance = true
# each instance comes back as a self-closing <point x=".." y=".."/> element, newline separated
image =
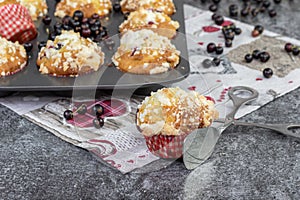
<point x="16" y="23"/>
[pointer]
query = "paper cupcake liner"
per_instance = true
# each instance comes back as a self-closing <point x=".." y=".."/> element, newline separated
<point x="166" y="146"/>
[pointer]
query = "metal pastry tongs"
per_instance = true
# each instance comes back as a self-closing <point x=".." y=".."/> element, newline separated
<point x="199" y="145"/>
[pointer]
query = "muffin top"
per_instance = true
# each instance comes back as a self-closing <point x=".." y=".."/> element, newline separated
<point x="173" y="111"/>
<point x="12" y="57"/>
<point x="71" y="53"/>
<point x="88" y="7"/>
<point x="165" y="6"/>
<point x="144" y="48"/>
<point x="148" y="18"/>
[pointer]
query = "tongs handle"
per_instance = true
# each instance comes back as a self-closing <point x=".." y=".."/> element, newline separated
<point x="281" y="128"/>
<point x="239" y="101"/>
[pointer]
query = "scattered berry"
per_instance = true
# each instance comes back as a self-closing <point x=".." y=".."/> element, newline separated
<point x="268" y="72"/>
<point x="277" y="1"/>
<point x="228" y="43"/>
<point x="206" y="63"/>
<point x="216" y="61"/>
<point x="264" y="56"/>
<point x="28" y="46"/>
<point x="117" y="7"/>
<point x="219" y="20"/>
<point x="219" y="50"/>
<point x="259" y="28"/>
<point x="255" y="54"/>
<point x="68" y="114"/>
<point x="248" y="58"/>
<point x="98" y="109"/>
<point x="47" y="20"/>
<point x="272" y="13"/>
<point x="213" y="8"/>
<point x="237" y="31"/>
<point x="82" y="109"/>
<point x="211" y="47"/>
<point x="98" y="122"/>
<point x="288" y="47"/>
<point x="295" y="51"/>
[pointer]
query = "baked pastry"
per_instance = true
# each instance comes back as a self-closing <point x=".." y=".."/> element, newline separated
<point x="13" y="57"/>
<point x="69" y="55"/>
<point x="36" y="8"/>
<point x="145" y="52"/>
<point x="88" y="7"/>
<point x="165" y="6"/>
<point x="150" y="19"/>
<point x="169" y="115"/>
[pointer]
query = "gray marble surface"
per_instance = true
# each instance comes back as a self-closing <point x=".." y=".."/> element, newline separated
<point x="248" y="162"/>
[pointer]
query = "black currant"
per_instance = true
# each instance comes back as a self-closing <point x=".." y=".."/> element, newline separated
<point x="248" y="58"/>
<point x="109" y="43"/>
<point x="272" y="13"/>
<point x="207" y="63"/>
<point x="268" y="72"/>
<point x="219" y="20"/>
<point x="264" y="56"/>
<point x="98" y="122"/>
<point x="216" y="1"/>
<point x="259" y="28"/>
<point x="86" y="32"/>
<point x="42" y="44"/>
<point x="78" y="15"/>
<point x="296" y="51"/>
<point x="213" y="8"/>
<point x="216" y="61"/>
<point x="228" y="43"/>
<point x="255" y="54"/>
<point x="245" y="12"/>
<point x="117" y="7"/>
<point x="288" y="47"/>
<point x="237" y="31"/>
<point x="47" y="20"/>
<point x="28" y="46"/>
<point x="68" y="114"/>
<point x="277" y="1"/>
<point x="82" y="109"/>
<point x="266" y="3"/>
<point x="95" y="16"/>
<point x="219" y="50"/>
<point x="66" y="20"/>
<point x="211" y="47"/>
<point x="98" y="109"/>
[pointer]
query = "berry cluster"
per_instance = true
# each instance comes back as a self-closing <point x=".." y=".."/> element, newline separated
<point x="263" y="56"/>
<point x="289" y="47"/>
<point x="213" y="48"/>
<point x="229" y="32"/>
<point x="207" y="63"/>
<point x="97" y="110"/>
<point x="253" y="7"/>
<point x="257" y="30"/>
<point x="87" y="27"/>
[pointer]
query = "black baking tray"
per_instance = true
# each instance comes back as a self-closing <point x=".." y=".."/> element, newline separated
<point x="108" y="77"/>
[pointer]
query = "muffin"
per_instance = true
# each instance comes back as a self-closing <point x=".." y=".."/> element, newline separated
<point x="167" y="116"/>
<point x="13" y="57"/>
<point x="165" y="6"/>
<point x="88" y="7"/>
<point x="145" y="52"/>
<point x="150" y="19"/>
<point x="69" y="55"/>
<point x="36" y="8"/>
